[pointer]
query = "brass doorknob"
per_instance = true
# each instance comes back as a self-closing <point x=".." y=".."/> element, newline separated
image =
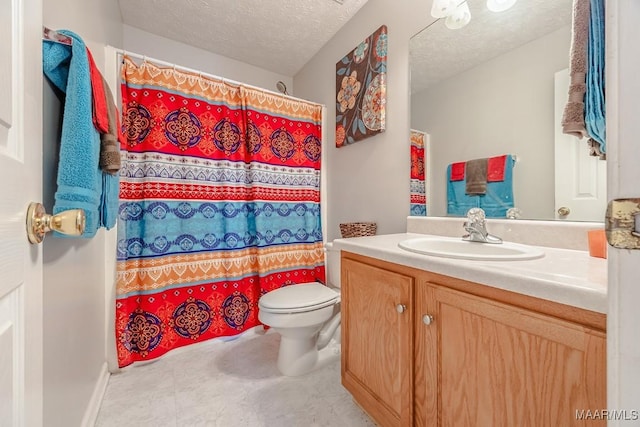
<point x="39" y="222"/>
<point x="564" y="211"/>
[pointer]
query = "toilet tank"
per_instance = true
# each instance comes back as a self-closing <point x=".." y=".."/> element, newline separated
<point x="332" y="265"/>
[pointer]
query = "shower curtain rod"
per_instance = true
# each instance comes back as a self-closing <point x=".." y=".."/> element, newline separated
<point x="123" y="52"/>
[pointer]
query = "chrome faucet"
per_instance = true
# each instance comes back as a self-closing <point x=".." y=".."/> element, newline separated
<point x="476" y="227"/>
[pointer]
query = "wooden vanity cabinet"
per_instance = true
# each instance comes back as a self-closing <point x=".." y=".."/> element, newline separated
<point x="377" y="356"/>
<point x="494" y="364"/>
<point x="477" y="356"/>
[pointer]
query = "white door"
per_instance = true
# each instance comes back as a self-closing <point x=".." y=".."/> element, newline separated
<point x="623" y="130"/>
<point x="20" y="183"/>
<point x="580" y="179"/>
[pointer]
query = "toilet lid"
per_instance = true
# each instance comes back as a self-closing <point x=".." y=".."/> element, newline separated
<point x="298" y="298"/>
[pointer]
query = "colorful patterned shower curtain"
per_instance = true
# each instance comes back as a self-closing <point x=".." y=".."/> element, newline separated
<point x="220" y="203"/>
<point x="418" y="203"/>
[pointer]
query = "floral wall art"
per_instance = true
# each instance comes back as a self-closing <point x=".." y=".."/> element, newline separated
<point x="361" y="90"/>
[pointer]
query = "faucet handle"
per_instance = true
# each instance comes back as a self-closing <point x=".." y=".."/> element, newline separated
<point x="514" y="213"/>
<point x="476" y="226"/>
<point x="476" y="215"/>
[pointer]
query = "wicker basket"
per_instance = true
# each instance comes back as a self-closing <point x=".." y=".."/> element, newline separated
<point x="358" y="229"/>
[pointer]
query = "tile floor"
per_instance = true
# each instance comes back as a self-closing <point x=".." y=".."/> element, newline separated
<point x="233" y="383"/>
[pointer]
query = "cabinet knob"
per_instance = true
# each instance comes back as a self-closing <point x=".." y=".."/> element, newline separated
<point x="400" y="308"/>
<point x="427" y="319"/>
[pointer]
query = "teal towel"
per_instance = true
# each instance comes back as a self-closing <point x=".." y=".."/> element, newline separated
<point x="594" y="96"/>
<point x="495" y="203"/>
<point x="80" y="180"/>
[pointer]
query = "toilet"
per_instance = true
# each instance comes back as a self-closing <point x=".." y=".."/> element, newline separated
<point x="307" y="317"/>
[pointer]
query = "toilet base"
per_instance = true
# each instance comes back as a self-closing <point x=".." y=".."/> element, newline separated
<point x="300" y="356"/>
<point x="308" y="340"/>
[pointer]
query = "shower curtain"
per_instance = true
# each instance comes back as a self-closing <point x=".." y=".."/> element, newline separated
<point x="418" y="202"/>
<point x="219" y="203"/>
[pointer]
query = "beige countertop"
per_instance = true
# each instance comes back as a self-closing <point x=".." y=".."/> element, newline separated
<point x="566" y="276"/>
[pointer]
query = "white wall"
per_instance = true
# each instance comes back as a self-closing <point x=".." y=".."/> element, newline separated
<point x="72" y="266"/>
<point x="503" y="106"/>
<point x="74" y="310"/>
<point x="74" y="269"/>
<point x="368" y="180"/>
<point x="75" y="306"/>
<point x="154" y="46"/>
<point x="316" y="82"/>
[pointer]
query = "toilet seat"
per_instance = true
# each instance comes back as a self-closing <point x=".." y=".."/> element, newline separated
<point x="298" y="298"/>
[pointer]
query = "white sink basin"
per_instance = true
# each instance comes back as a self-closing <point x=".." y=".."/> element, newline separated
<point x="449" y="247"/>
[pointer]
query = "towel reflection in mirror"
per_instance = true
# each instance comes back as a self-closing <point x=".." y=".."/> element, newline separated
<point x="481" y="183"/>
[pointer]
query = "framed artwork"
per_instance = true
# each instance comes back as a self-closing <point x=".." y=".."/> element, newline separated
<point x="361" y="90"/>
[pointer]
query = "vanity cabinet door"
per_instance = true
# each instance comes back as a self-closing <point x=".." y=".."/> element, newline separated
<point x="500" y="365"/>
<point x="377" y="343"/>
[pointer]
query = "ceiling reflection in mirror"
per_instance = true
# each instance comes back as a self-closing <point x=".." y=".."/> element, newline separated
<point x="497" y="87"/>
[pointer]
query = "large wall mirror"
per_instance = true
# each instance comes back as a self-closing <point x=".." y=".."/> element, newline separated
<point x="498" y="86"/>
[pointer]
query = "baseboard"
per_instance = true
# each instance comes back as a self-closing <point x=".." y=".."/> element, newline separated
<point x="91" y="414"/>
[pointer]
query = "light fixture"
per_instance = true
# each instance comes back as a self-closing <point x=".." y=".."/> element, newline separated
<point x="500" y="5"/>
<point x="456" y="13"/>
<point x="459" y="18"/>
<point x="443" y="8"/>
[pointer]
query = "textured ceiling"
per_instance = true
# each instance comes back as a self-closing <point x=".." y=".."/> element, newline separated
<point x="438" y="52"/>
<point x="277" y="35"/>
